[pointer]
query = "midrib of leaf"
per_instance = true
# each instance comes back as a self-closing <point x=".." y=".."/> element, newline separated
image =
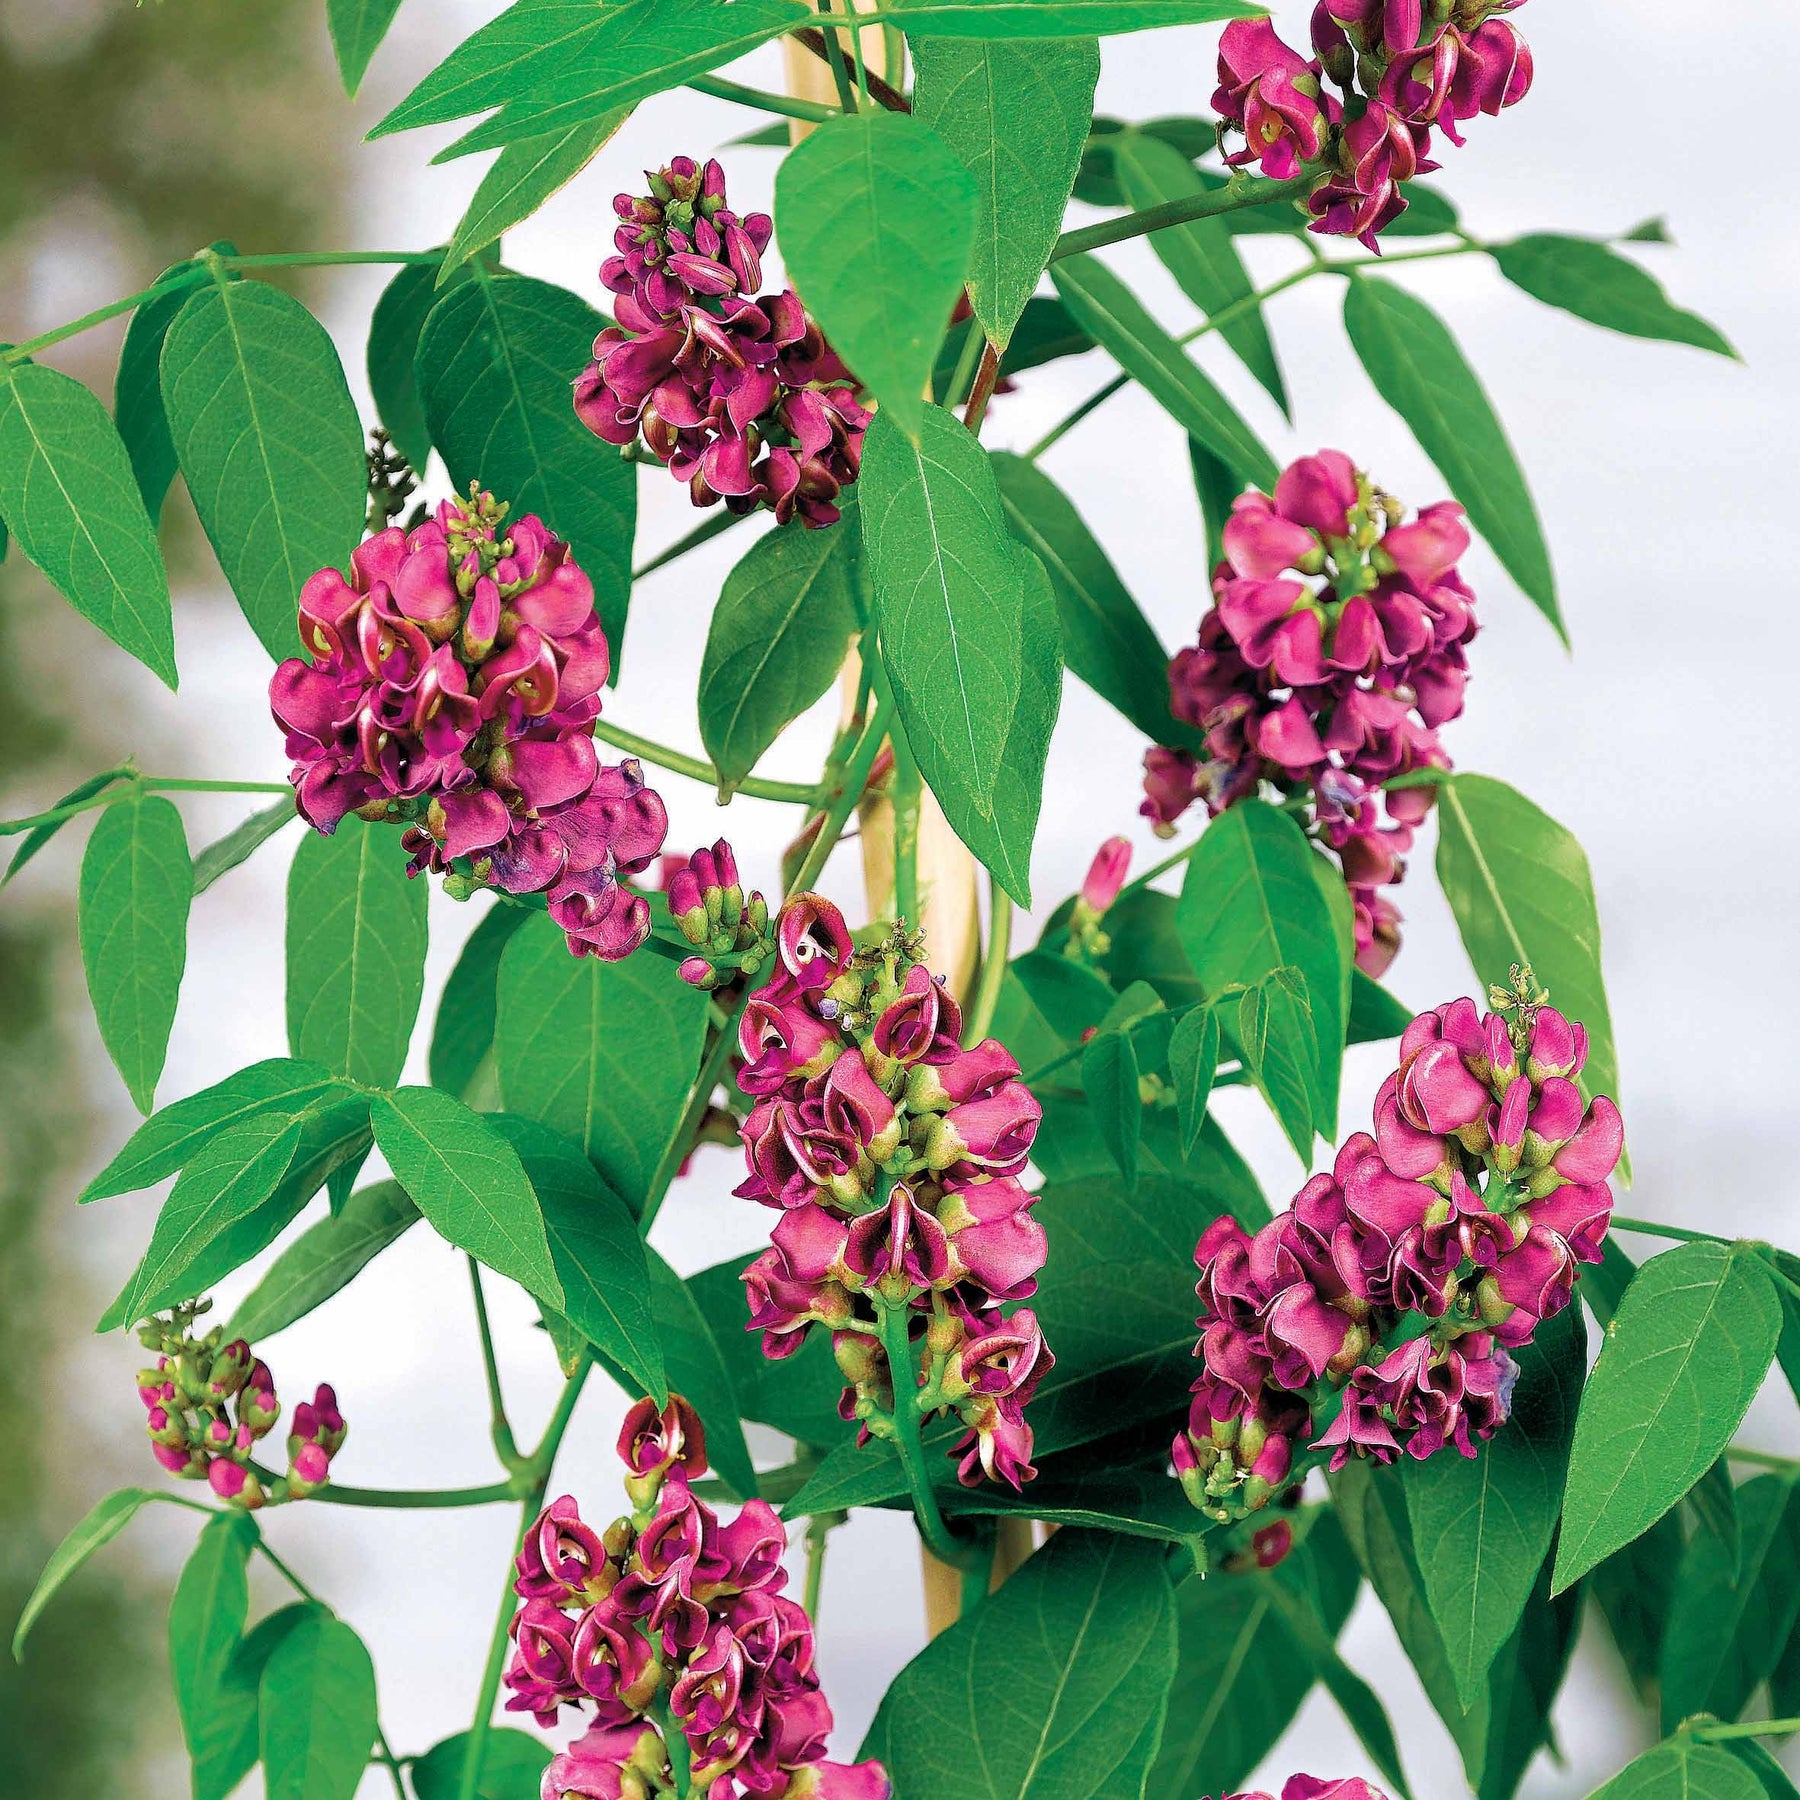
<point x="357" y="928"/>
<point x="1646" y="1431"/>
<point x="590" y="1113"/>
<point x="1453" y="802"/>
<point x="44" y="459"/>
<point x="1062" y="1679"/>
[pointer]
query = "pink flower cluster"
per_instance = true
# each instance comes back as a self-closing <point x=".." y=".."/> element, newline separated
<point x="1376" y="1314"/>
<point x="453" y="687"/>
<point x="1313" y="1787"/>
<point x="1333" y="651"/>
<point x="210" y="1403"/>
<point x="892" y="1154"/>
<point x="735" y="390"/>
<point x="671" y="1605"/>
<point x="1404" y="66"/>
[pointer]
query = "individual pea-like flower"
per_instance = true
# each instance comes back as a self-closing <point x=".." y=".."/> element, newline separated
<point x="673" y="1613"/>
<point x="452" y="687"/>
<point x="892" y="1154"/>
<point x="1376" y="1316"/>
<point x="1333" y="652"/>
<point x="210" y="1403"/>
<point x="1313" y="1787"/>
<point x="735" y="390"/>
<point x="1270" y="94"/>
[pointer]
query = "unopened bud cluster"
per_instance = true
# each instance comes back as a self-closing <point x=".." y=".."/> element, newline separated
<point x="210" y="1403"/>
<point x="1403" y="67"/>
<point x="1376" y="1314"/>
<point x="673" y="1612"/>
<point x="734" y="389"/>
<point x="711" y="910"/>
<point x="892" y="1154"/>
<point x="1332" y="653"/>
<point x="1088" y="941"/>
<point x="453" y="685"/>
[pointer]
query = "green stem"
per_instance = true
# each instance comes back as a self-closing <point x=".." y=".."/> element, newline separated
<point x="421" y="1499"/>
<point x="1254" y="191"/>
<point x="909" y="793"/>
<point x="1750" y="1728"/>
<point x="153" y="784"/>
<point x="712" y="1072"/>
<point x="500" y="1428"/>
<point x="818" y="1537"/>
<point x="903" y="1371"/>
<point x="993" y="965"/>
<point x="1762" y="1459"/>
<point x="1649" y="1228"/>
<point x="840" y="76"/>
<point x="1173" y="861"/>
<point x="384" y="1751"/>
<point x="720" y="89"/>
<point x="837" y="816"/>
<point x="794" y="793"/>
<point x="703" y="533"/>
<point x="974" y="342"/>
<point x="301" y="259"/>
<point x="541" y="1463"/>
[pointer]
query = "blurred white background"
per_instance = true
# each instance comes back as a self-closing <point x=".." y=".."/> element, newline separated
<point x="1660" y="742"/>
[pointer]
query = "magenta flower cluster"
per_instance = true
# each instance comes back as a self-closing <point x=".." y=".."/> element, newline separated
<point x="1313" y="1787"/>
<point x="671" y="1608"/>
<point x="892" y="1154"/>
<point x="1404" y="67"/>
<point x="454" y="681"/>
<point x="1332" y="653"/>
<point x="1377" y="1313"/>
<point x="210" y="1403"/>
<point x="734" y="389"/>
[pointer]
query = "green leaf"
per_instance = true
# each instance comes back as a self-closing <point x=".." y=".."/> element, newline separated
<point x="235" y="1197"/>
<point x="469" y="1183"/>
<point x="1735" y="1603"/>
<point x="1033" y="1695"/>
<point x="1421" y="372"/>
<point x="1016" y="116"/>
<point x="1135" y="1502"/>
<point x="1003" y="838"/>
<point x="1375" y="1014"/>
<point x="35" y="839"/>
<point x="603" y="1052"/>
<point x="1120" y="323"/>
<point x="239" y="844"/>
<point x="70" y="498"/>
<point x="641" y="47"/>
<point x="318" y="1711"/>
<point x="1200" y="254"/>
<point x="206" y="1620"/>
<point x="168" y="1139"/>
<point x="1250" y="904"/>
<point x="529" y="39"/>
<point x="1594" y="282"/>
<point x="1241" y="1674"/>
<point x="595" y="1246"/>
<point x="1521" y="890"/>
<point x="512" y="1767"/>
<point x="949" y="600"/>
<point x="225" y="1743"/>
<point x="324" y="1261"/>
<point x="270" y="445"/>
<point x="1635" y="1587"/>
<point x="523" y="177"/>
<point x="779" y="633"/>
<point x="698" y="1371"/>
<point x="394" y="328"/>
<point x="357" y="28"/>
<point x="1055" y="18"/>
<point x="1483" y="1527"/>
<point x="100" y="1525"/>
<point x="878" y="227"/>
<point x="1280" y="1051"/>
<point x="1774" y="1779"/>
<point x="1681" y="1362"/>
<point x="464" y="1033"/>
<point x="494" y="364"/>
<point x="137" y="393"/>
<point x="355" y="952"/>
<point x="1109" y="1077"/>
<point x="1681" y="1769"/>
<point x="136" y="887"/>
<point x="1193" y="1061"/>
<point x="1107" y="641"/>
